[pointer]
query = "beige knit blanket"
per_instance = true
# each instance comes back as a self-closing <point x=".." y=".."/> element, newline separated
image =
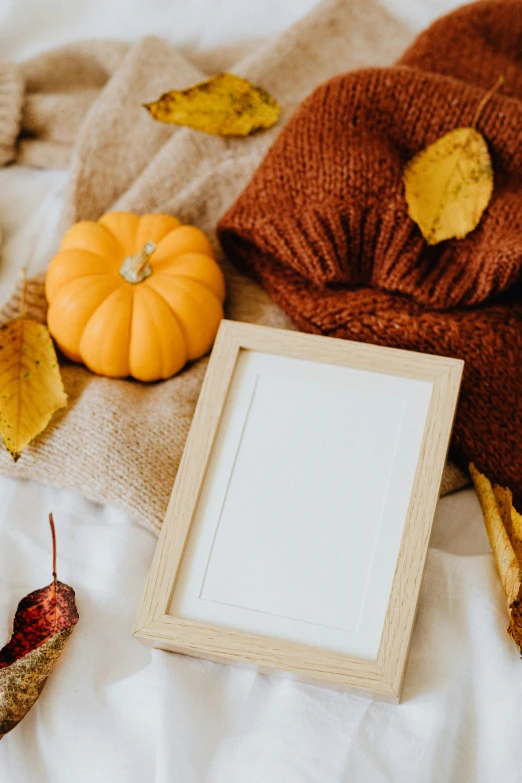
<point x="121" y="441"/>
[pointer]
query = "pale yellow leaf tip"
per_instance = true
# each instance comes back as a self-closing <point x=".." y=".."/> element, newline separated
<point x="502" y="522"/>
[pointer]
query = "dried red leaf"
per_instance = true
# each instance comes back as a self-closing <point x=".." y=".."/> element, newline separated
<point x="40" y="615"/>
<point x="43" y="623"/>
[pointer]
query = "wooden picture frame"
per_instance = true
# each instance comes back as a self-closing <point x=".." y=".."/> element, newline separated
<point x="394" y="457"/>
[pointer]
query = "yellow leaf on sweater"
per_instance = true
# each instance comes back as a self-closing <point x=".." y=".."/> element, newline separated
<point x="449" y="184"/>
<point x="504" y="528"/>
<point x="225" y="105"/>
<point x="31" y="387"/>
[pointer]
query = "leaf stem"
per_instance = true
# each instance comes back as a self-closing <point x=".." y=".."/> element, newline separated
<point x="53" y="534"/>
<point x="485" y="98"/>
<point x="136" y="268"/>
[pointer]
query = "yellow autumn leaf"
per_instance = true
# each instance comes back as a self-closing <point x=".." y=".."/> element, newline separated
<point x="225" y="105"/>
<point x="31" y="388"/>
<point x="449" y="184"/>
<point x="504" y="528"/>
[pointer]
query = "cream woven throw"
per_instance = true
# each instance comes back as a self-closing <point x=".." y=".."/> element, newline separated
<point x="81" y="106"/>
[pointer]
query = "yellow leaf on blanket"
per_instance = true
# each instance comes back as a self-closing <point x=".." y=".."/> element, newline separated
<point x="31" y="387"/>
<point x="225" y="105"/>
<point x="504" y="529"/>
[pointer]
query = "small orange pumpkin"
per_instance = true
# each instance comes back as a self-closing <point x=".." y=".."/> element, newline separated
<point x="133" y="295"/>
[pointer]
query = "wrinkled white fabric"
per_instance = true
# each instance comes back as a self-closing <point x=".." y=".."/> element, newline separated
<point x="116" y="711"/>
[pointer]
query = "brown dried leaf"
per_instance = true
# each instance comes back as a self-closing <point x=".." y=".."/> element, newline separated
<point x="503" y="525"/>
<point x="43" y="623"/>
<point x="22" y="682"/>
<point x="225" y="105"/>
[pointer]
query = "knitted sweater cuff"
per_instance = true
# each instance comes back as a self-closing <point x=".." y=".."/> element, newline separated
<point x="11" y="99"/>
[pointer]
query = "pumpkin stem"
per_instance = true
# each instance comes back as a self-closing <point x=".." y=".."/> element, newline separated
<point x="136" y="268"/>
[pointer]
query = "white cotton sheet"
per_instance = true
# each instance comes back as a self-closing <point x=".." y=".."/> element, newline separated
<point x="116" y="711"/>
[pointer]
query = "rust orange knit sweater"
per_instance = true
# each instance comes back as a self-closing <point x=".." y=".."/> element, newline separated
<point x="323" y="224"/>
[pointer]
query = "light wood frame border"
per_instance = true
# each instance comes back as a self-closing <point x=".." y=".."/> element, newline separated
<point x="382" y="679"/>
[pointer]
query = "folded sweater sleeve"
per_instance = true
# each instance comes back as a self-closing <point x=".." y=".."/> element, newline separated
<point x="44" y="100"/>
<point x="11" y="99"/>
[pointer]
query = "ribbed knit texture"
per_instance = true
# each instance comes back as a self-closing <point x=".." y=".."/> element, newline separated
<point x="60" y="88"/>
<point x="324" y="226"/>
<point x="120" y="441"/>
<point x="11" y="97"/>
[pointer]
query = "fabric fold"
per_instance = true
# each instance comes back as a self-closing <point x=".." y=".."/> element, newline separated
<point x="44" y="101"/>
